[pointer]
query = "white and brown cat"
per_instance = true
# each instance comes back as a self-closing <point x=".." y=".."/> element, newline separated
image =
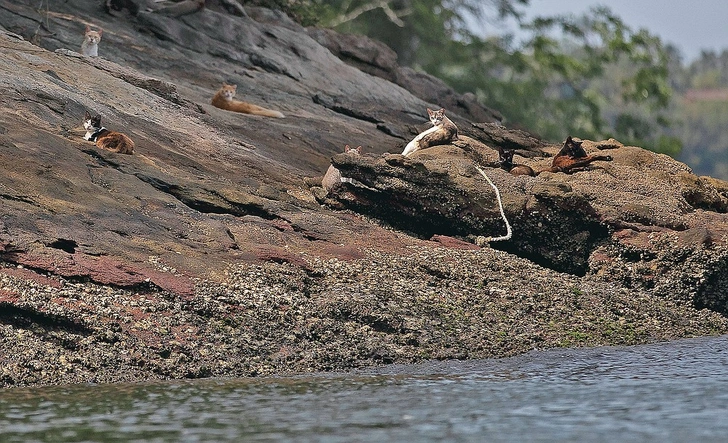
<point x="91" y="39"/>
<point x="105" y="139"/>
<point x="442" y="132"/>
<point x="223" y="99"/>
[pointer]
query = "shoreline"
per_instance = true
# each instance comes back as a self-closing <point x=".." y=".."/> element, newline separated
<point x="420" y="368"/>
<point x="271" y="318"/>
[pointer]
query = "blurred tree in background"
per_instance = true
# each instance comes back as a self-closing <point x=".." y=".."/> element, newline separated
<point x="702" y="113"/>
<point x="589" y="76"/>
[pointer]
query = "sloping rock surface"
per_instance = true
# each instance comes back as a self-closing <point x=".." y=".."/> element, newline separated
<point x="209" y="252"/>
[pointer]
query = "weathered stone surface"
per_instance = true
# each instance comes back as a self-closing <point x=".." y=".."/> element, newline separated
<point x="379" y="60"/>
<point x="559" y="220"/>
<point x="208" y="251"/>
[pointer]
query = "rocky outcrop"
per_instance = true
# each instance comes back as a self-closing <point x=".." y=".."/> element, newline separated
<point x="634" y="220"/>
<point x="208" y="251"/>
<point x="378" y="59"/>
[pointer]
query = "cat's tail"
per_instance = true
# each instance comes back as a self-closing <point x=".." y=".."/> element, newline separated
<point x="258" y="110"/>
<point x="272" y="113"/>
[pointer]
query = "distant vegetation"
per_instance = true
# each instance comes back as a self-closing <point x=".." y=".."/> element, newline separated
<point x="590" y="76"/>
<point x="701" y="113"/>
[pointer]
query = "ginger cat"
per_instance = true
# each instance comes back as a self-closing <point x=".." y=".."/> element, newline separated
<point x="105" y="139"/>
<point x="572" y="157"/>
<point x="223" y="99"/>
<point x="442" y="132"/>
<point x="90" y="45"/>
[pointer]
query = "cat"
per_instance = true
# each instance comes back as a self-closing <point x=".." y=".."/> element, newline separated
<point x="90" y="45"/>
<point x="573" y="157"/>
<point x="105" y="139"/>
<point x="333" y="175"/>
<point x="223" y="99"/>
<point x="442" y="132"/>
<point x="505" y="158"/>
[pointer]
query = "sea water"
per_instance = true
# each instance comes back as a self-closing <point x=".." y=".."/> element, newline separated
<point x="666" y="392"/>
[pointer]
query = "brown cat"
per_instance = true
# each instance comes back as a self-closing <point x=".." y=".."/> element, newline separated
<point x="105" y="139"/>
<point x="573" y="157"/>
<point x="333" y="175"/>
<point x="223" y="99"/>
<point x="442" y="132"/>
<point x="91" y="39"/>
<point x="505" y="158"/>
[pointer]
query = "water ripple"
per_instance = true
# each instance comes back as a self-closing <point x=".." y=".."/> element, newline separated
<point x="663" y="392"/>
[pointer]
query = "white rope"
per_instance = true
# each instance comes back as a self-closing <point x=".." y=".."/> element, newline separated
<point x="481" y="240"/>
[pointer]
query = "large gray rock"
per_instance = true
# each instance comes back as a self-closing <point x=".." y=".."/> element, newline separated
<point x="379" y="60"/>
<point x="207" y="253"/>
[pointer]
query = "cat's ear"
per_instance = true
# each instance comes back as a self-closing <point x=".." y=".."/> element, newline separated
<point x="98" y="117"/>
<point x="88" y="29"/>
<point x="442" y="110"/>
<point x="87" y="116"/>
<point x="100" y="31"/>
<point x="347" y="148"/>
<point x="430" y="111"/>
<point x="235" y="87"/>
<point x="358" y="149"/>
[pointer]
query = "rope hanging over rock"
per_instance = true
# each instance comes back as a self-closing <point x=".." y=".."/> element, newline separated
<point x="481" y="240"/>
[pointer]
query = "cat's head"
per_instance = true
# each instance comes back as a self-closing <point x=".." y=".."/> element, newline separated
<point x="573" y="148"/>
<point x="505" y="156"/>
<point x="93" y="36"/>
<point x="436" y="117"/>
<point x="91" y="123"/>
<point x="348" y="149"/>
<point x="228" y="91"/>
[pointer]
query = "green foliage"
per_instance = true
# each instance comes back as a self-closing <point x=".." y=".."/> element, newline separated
<point x="703" y="132"/>
<point x="564" y="75"/>
<point x="708" y="71"/>
<point x="700" y="116"/>
<point x="597" y="66"/>
<point x="590" y="76"/>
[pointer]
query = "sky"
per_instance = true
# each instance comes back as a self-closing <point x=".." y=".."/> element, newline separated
<point x="691" y="26"/>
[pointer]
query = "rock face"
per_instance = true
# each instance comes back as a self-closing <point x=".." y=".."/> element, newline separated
<point x="378" y="59"/>
<point x="560" y="220"/>
<point x="209" y="252"/>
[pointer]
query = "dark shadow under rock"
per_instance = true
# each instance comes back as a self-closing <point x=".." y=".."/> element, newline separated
<point x="439" y="192"/>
